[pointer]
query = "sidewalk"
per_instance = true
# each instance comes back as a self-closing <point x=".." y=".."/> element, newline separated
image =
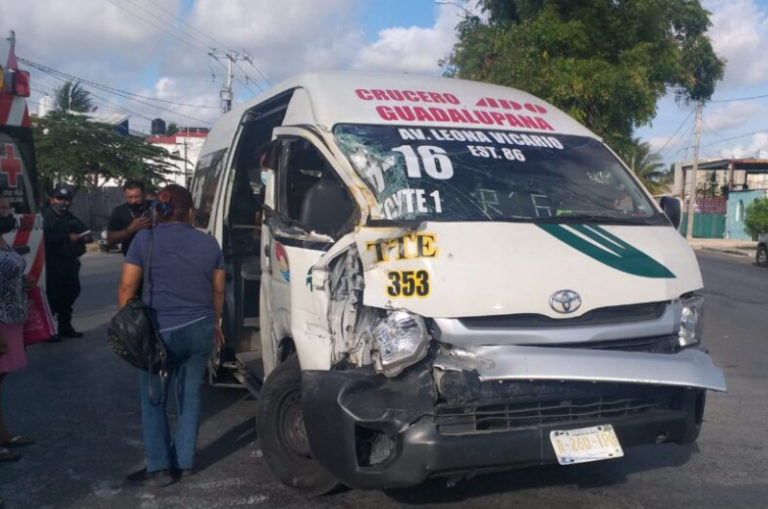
<point x="727" y="246"/>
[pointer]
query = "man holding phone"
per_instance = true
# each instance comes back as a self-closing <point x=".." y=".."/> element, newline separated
<point x="130" y="217"/>
<point x="65" y="239"/>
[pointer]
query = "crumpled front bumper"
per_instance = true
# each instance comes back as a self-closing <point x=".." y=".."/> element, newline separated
<point x="376" y="432"/>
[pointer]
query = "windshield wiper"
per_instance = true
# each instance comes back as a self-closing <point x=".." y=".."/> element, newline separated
<point x="595" y="218"/>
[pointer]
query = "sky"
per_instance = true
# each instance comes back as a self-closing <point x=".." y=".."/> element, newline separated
<point x="151" y="58"/>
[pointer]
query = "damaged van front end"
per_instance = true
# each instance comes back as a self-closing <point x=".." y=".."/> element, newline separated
<point x="457" y="278"/>
<point x="416" y="390"/>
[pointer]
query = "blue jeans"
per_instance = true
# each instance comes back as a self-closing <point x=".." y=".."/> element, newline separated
<point x="188" y="352"/>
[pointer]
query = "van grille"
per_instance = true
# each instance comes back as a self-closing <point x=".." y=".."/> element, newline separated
<point x="601" y="316"/>
<point x="656" y="344"/>
<point x="507" y="416"/>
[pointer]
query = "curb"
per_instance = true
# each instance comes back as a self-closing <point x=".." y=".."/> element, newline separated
<point x="734" y="252"/>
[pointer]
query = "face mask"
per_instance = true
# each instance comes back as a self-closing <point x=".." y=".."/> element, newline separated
<point x="60" y="207"/>
<point x="7" y="224"/>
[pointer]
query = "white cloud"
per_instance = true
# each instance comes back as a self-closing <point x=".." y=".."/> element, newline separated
<point x="740" y="34"/>
<point x="65" y="31"/>
<point x="412" y="49"/>
<point x="757" y="147"/>
<point x="284" y="37"/>
<point x="734" y="114"/>
<point x="666" y="144"/>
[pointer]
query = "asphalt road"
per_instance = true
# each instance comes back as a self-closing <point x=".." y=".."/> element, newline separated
<point x="81" y="404"/>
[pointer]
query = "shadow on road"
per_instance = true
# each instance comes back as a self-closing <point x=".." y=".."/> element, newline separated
<point x="234" y="439"/>
<point x="584" y="476"/>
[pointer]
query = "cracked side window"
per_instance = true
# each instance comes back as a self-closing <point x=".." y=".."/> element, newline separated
<point x="313" y="196"/>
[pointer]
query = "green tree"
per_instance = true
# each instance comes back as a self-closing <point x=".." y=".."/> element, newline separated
<point x="172" y="129"/>
<point x="756" y="217"/>
<point x="604" y="62"/>
<point x="86" y="153"/>
<point x="647" y="166"/>
<point x="72" y="97"/>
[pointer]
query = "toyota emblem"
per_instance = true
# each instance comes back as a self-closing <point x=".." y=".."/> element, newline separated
<point x="565" y="301"/>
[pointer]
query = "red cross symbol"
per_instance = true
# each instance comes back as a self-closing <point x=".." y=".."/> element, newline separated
<point x="10" y="165"/>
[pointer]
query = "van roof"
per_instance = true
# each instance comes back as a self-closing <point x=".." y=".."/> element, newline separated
<point x="335" y="97"/>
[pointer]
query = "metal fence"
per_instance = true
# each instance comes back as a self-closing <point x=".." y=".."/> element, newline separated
<point x="94" y="207"/>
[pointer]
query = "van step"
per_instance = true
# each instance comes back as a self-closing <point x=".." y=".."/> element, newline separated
<point x="252" y="322"/>
<point x="250" y="370"/>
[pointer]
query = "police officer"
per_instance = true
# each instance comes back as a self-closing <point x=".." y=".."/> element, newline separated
<point x="65" y="240"/>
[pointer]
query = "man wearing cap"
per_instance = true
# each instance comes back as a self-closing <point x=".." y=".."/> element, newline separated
<point x="65" y="239"/>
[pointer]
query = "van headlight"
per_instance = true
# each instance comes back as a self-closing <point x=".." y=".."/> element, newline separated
<point x="690" y="330"/>
<point x="401" y="339"/>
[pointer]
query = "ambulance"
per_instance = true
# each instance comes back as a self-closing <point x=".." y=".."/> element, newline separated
<point x="17" y="163"/>
<point x="435" y="277"/>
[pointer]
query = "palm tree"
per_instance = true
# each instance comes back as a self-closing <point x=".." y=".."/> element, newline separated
<point x="647" y="166"/>
<point x="72" y="97"/>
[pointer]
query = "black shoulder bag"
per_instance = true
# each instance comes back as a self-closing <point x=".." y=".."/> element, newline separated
<point x="132" y="334"/>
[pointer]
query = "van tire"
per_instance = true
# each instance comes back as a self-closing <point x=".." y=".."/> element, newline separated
<point x="762" y="255"/>
<point x="281" y="431"/>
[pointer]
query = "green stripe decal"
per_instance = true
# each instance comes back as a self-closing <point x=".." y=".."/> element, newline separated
<point x="613" y="252"/>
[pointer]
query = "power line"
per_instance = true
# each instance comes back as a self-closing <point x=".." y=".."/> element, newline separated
<point x="263" y="76"/>
<point x="120" y="107"/>
<point x="740" y="99"/>
<point x="244" y="83"/>
<point x="181" y="20"/>
<point x="736" y="137"/>
<point x="66" y="77"/>
<point x="51" y="93"/>
<point x="190" y="42"/>
<point x="676" y="131"/>
<point x="106" y="88"/>
<point x="209" y="37"/>
<point x="712" y="131"/>
<point x="248" y="78"/>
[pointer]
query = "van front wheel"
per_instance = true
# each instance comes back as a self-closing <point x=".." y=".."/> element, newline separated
<point x="280" y="426"/>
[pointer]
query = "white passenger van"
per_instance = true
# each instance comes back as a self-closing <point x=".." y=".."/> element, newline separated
<point x="447" y="277"/>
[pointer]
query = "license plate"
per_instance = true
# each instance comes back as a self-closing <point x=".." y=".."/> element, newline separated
<point x="585" y="444"/>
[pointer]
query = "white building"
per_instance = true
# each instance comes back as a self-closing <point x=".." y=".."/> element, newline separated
<point x="185" y="144"/>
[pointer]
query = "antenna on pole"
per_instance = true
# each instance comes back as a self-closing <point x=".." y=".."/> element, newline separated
<point x="225" y="94"/>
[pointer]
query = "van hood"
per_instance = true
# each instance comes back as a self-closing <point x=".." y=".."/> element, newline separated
<point x="451" y="270"/>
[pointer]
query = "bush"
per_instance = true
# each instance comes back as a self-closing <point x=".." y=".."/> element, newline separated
<point x="756" y="217"/>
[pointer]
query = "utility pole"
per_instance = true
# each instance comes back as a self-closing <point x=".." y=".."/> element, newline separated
<point x="225" y="94"/>
<point x="692" y="195"/>
<point x="187" y="176"/>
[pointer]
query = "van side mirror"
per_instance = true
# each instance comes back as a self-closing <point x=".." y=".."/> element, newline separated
<point x="672" y="207"/>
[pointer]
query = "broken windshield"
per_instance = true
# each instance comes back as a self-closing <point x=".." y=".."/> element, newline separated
<point x="429" y="173"/>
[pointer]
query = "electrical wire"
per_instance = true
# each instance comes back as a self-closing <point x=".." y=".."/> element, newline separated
<point x="181" y="20"/>
<point x="740" y="99"/>
<point x="189" y="42"/>
<point x="66" y="77"/>
<point x="711" y="131"/>
<point x="245" y="85"/>
<point x="736" y="137"/>
<point x="197" y="39"/>
<point x="248" y="78"/>
<point x="675" y="133"/>
<point x="107" y="88"/>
